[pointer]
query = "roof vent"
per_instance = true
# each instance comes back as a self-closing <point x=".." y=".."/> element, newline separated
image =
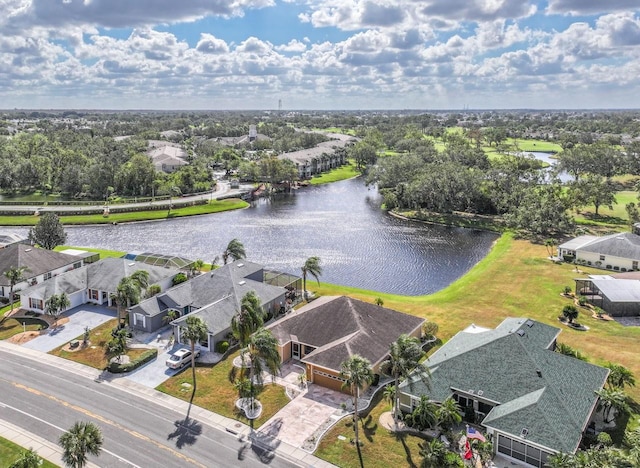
<point x="27" y="250"/>
<point x="242" y="282"/>
<point x="524" y="432"/>
<point x="240" y="265"/>
<point x="480" y="392"/>
<point x="529" y="323"/>
<point x="539" y="372"/>
<point x="132" y="264"/>
<point x="520" y="332"/>
<point x="470" y="391"/>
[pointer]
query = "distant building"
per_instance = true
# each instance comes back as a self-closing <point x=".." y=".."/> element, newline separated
<point x="617" y="252"/>
<point x="168" y="158"/>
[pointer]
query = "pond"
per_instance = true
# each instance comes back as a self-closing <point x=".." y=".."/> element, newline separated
<point x="359" y="245"/>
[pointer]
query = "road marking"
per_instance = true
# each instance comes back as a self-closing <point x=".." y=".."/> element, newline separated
<point x="105" y="421"/>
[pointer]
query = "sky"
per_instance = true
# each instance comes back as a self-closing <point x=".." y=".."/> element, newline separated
<point x="319" y="54"/>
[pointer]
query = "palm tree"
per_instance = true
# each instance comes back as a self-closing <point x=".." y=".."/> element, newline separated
<point x="312" y="267"/>
<point x="28" y="459"/>
<point x="130" y="289"/>
<point x="433" y="454"/>
<point x="448" y="413"/>
<point x="196" y="267"/>
<point x="570" y="313"/>
<point x="357" y="373"/>
<point x="424" y="415"/>
<point x="235" y="250"/>
<point x="248" y="320"/>
<point x="262" y="350"/>
<point x="172" y="314"/>
<point x="404" y="358"/>
<point x="56" y="305"/>
<point x="141" y="279"/>
<point x="612" y="399"/>
<point x="620" y="376"/>
<point x="82" y="439"/>
<point x="117" y="346"/>
<point x="195" y="331"/>
<point x="561" y="460"/>
<point x="15" y="275"/>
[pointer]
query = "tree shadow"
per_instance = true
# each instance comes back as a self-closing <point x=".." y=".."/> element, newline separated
<point x="186" y="432"/>
<point x="264" y="446"/>
<point x="368" y="428"/>
<point x="360" y="456"/>
<point x="402" y="438"/>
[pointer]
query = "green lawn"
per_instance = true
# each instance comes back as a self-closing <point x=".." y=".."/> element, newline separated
<point x="616" y="218"/>
<point x="216" y="393"/>
<point x="348" y="171"/>
<point x="11" y="327"/>
<point x="10" y="452"/>
<point x="541" y="146"/>
<point x="215" y="206"/>
<point x="104" y="253"/>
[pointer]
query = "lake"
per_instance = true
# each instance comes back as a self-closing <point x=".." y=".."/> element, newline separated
<point x="359" y="245"/>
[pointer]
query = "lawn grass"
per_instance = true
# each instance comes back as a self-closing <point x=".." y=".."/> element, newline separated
<point x="104" y="253"/>
<point x="10" y="452"/>
<point x="214" y="206"/>
<point x="380" y="448"/>
<point x="615" y="216"/>
<point x="94" y="355"/>
<point x="348" y="171"/>
<point x="11" y="327"/>
<point x="216" y="393"/>
<point x="531" y="145"/>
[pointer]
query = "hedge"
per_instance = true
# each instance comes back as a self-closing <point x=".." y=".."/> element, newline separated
<point x="119" y="368"/>
<point x="222" y="346"/>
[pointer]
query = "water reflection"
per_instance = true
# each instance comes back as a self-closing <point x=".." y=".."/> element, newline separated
<point x="359" y="245"/>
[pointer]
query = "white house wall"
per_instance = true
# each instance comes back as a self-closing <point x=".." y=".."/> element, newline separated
<point x="609" y="260"/>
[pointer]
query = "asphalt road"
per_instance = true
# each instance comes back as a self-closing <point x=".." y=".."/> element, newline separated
<point x="137" y="432"/>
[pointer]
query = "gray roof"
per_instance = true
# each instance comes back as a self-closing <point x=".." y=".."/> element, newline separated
<point x="38" y="261"/>
<point x="622" y="245"/>
<point x="217" y="315"/>
<point x="207" y="290"/>
<point x="503" y="364"/>
<point x="576" y="243"/>
<point x="103" y="275"/>
<point x="619" y="290"/>
<point x="339" y="327"/>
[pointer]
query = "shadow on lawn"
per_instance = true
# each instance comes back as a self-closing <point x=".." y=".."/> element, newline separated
<point x="402" y="438"/>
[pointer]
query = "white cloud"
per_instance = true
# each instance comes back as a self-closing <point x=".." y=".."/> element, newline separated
<point x="294" y="46"/>
<point x="589" y="7"/>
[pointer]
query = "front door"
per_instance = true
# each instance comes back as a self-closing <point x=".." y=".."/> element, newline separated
<point x="295" y="351"/>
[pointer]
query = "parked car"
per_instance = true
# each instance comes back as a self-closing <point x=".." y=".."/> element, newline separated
<point x="181" y="358"/>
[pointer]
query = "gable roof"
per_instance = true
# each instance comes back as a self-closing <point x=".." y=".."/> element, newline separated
<point x="38" y="261"/>
<point x="232" y="280"/>
<point x="104" y="275"/>
<point x="339" y="327"/>
<point x="515" y="366"/>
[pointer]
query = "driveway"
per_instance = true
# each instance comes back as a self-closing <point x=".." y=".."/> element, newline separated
<point x="155" y="372"/>
<point x="86" y="315"/>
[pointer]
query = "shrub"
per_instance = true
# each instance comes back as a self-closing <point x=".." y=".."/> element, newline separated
<point x="604" y="438"/>
<point x="119" y="368"/>
<point x="582" y="300"/>
<point x="222" y="346"/>
<point x="567" y="290"/>
<point x="179" y="278"/>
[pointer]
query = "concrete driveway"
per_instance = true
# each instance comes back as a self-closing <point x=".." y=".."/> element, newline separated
<point x="86" y="315"/>
<point x="155" y="372"/>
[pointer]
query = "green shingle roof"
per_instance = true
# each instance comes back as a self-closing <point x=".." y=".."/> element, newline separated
<point x="514" y="365"/>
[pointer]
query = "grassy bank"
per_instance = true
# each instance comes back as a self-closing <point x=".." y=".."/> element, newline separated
<point x="347" y="171"/>
<point x="214" y="206"/>
<point x="104" y="253"/>
<point x="10" y="452"/>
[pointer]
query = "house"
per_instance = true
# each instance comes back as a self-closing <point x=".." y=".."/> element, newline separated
<point x="215" y="297"/>
<point x="168" y="158"/>
<point x="329" y="330"/>
<point x="618" y="294"/>
<point x="616" y="252"/>
<point x="95" y="283"/>
<point x="321" y="158"/>
<point x="40" y="264"/>
<point x="532" y="401"/>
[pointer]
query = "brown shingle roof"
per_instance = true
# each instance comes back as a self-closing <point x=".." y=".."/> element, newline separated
<point x="38" y="261"/>
<point x="339" y="327"/>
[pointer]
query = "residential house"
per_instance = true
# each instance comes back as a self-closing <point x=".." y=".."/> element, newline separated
<point x="95" y="283"/>
<point x="532" y="401"/>
<point x="321" y="158"/>
<point x="616" y="252"/>
<point x="618" y="294"/>
<point x="329" y="330"/>
<point x="168" y="158"/>
<point x="40" y="264"/>
<point x="215" y="297"/>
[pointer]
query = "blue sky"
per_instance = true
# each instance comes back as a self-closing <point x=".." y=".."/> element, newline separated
<point x="319" y="54"/>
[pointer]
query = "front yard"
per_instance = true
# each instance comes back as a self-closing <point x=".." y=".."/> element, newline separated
<point x="10" y="452"/>
<point x="94" y="354"/>
<point x="216" y="392"/>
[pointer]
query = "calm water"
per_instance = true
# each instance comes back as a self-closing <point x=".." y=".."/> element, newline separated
<point x="358" y="244"/>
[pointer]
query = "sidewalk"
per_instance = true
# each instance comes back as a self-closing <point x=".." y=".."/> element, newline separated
<point x="25" y="439"/>
<point x="214" y="420"/>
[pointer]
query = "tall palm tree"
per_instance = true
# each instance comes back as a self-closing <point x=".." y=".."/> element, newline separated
<point x="424" y="415"/>
<point x="404" y="358"/>
<point x="15" y="275"/>
<point x="611" y="399"/>
<point x="312" y="267"/>
<point x="82" y="439"/>
<point x="56" y="305"/>
<point x="262" y="350"/>
<point x="140" y="279"/>
<point x="248" y="319"/>
<point x="129" y="290"/>
<point x="195" y="331"/>
<point x="357" y="373"/>
<point x="619" y="376"/>
<point x="235" y="251"/>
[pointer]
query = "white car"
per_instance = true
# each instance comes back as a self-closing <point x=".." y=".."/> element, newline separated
<point x="181" y="358"/>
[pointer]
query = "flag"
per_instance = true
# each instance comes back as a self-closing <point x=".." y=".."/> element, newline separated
<point x="473" y="434"/>
<point x="467" y="451"/>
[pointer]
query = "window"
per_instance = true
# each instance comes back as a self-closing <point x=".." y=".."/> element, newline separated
<point x="634" y="265"/>
<point x="93" y="294"/>
<point x="602" y="258"/>
<point x="36" y="303"/>
<point x="46" y="276"/>
<point x="521" y="451"/>
<point x="77" y="265"/>
<point x="138" y="319"/>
